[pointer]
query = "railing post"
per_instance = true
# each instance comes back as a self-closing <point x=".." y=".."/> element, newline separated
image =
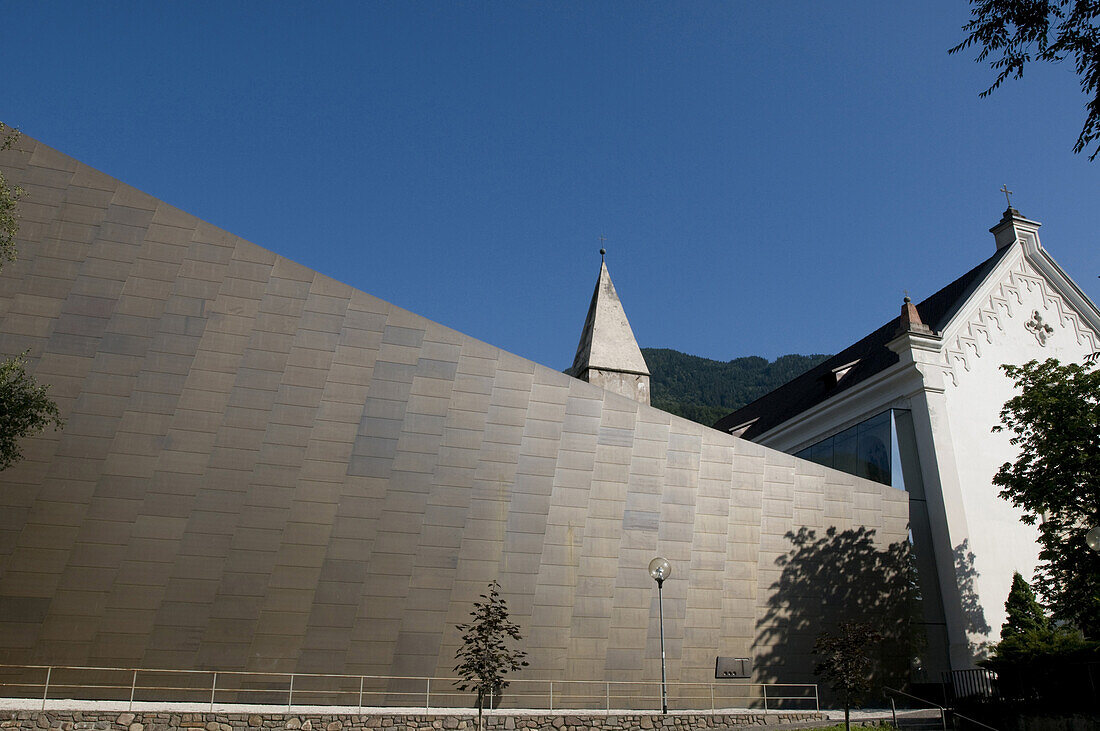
<point x="290" y="694"/>
<point x="360" y="693"/>
<point x="608" y="697"/>
<point x="427" y="694"/>
<point x="764" y="687"/>
<point x="712" y="697"/>
<point x="894" y="711"/>
<point x="133" y="685"/>
<point x="213" y="689"/>
<point x="490" y="697"/>
<point x="817" y="699"/>
<point x="943" y="720"/>
<point x="551" y="695"/>
<point x="46" y="691"/>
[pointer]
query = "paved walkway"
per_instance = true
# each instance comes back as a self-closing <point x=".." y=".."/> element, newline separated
<point x="885" y="714"/>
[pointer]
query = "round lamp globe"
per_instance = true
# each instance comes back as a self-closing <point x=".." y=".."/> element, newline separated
<point x="1092" y="538"/>
<point x="660" y="569"/>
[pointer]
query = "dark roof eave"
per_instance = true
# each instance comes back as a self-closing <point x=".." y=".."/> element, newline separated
<point x="814" y="387"/>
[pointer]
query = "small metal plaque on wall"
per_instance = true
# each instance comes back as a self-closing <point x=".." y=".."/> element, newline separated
<point x="732" y="667"/>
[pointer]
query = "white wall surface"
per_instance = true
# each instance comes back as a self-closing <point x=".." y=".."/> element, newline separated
<point x="1000" y="543"/>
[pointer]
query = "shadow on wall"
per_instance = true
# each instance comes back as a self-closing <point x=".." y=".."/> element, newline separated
<point x="973" y="614"/>
<point x="840" y="576"/>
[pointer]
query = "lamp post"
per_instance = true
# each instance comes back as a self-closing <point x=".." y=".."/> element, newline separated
<point x="660" y="569"/>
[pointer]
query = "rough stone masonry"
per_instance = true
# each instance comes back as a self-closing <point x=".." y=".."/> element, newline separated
<point x="166" y="721"/>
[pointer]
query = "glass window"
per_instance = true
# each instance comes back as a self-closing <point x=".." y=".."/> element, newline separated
<point x="873" y="448"/>
<point x="845" y="454"/>
<point x="822" y="453"/>
<point x="864" y="450"/>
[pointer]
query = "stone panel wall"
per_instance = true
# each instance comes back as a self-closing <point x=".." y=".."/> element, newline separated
<point x="264" y="469"/>
<point x="633" y="385"/>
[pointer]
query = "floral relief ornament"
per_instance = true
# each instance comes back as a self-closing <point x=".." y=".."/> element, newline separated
<point x="1038" y="328"/>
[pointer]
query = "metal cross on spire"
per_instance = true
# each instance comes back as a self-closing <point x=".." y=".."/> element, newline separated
<point x="602" y="250"/>
<point x="1007" y="192"/>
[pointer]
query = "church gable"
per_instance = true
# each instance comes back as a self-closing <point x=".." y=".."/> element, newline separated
<point x="1028" y="300"/>
<point x="967" y="315"/>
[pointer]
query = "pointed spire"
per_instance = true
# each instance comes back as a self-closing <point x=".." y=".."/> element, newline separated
<point x="608" y="354"/>
<point x="910" y="321"/>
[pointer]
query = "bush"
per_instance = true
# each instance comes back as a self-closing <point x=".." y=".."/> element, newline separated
<point x="1046" y="670"/>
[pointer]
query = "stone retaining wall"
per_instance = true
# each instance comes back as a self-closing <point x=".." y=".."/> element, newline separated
<point x="159" y="721"/>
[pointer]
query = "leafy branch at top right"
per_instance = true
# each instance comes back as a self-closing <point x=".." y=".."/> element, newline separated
<point x="1012" y="33"/>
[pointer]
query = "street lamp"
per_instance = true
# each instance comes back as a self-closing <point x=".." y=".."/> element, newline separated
<point x="660" y="569"/>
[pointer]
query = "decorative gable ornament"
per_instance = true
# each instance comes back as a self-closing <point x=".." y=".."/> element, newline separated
<point x="1041" y="330"/>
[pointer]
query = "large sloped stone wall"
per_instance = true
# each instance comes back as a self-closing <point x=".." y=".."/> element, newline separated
<point x="265" y="469"/>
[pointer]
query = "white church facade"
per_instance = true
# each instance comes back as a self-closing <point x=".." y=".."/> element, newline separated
<point x="913" y="404"/>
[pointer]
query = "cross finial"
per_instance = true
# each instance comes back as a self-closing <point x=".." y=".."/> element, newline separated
<point x="603" y="251"/>
<point x="1007" y="192"/>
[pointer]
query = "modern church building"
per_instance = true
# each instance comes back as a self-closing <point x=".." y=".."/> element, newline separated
<point x="912" y="405"/>
<point x="265" y="469"/>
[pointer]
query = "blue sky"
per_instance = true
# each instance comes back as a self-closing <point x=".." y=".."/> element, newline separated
<point x="770" y="176"/>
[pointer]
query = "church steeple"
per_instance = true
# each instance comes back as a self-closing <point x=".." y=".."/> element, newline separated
<point x="1013" y="227"/>
<point x="608" y="355"/>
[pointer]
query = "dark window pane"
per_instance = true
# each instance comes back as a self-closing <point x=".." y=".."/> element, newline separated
<point x="822" y="452"/>
<point x="845" y="455"/>
<point x="874" y="448"/>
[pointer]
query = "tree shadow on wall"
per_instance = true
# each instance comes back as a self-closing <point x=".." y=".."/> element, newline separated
<point x="973" y="614"/>
<point x="840" y="576"/>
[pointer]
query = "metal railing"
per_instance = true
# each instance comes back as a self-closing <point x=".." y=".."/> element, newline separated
<point x="955" y="715"/>
<point x="971" y="683"/>
<point x="52" y="684"/>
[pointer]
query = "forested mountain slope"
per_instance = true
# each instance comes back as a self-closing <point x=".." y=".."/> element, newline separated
<point x="705" y="390"/>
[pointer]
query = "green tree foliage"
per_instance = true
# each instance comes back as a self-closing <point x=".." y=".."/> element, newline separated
<point x="1055" y="480"/>
<point x="705" y="390"/>
<point x="1012" y="33"/>
<point x="1034" y="646"/>
<point x="1023" y="613"/>
<point x="25" y="407"/>
<point x="485" y="657"/>
<point x="1028" y="636"/>
<point x="1041" y="666"/>
<point x="1046" y="669"/>
<point x="846" y="663"/>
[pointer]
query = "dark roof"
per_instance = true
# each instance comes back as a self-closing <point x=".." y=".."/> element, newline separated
<point x="870" y="356"/>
